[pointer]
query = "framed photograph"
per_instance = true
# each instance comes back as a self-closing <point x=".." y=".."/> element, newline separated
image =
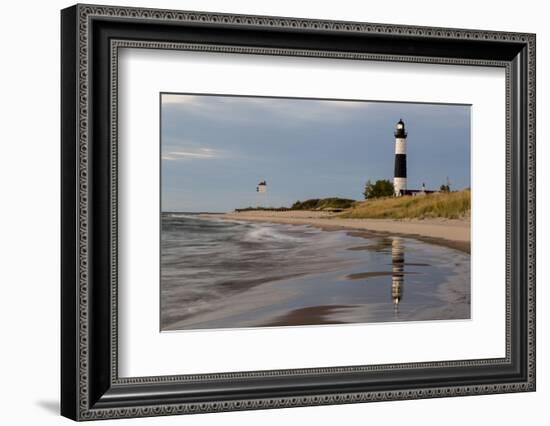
<point x="263" y="212"/>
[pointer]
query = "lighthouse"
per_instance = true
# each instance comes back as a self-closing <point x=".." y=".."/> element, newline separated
<point x="262" y="187"/>
<point x="400" y="173"/>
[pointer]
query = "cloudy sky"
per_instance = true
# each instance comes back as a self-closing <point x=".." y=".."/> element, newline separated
<point x="215" y="149"/>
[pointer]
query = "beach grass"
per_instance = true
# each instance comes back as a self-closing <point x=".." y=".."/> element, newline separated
<point x="323" y="204"/>
<point x="448" y="205"/>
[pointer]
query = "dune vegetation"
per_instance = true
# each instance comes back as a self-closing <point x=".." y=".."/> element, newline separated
<point x="313" y="204"/>
<point x="449" y="205"/>
<point x="332" y="203"/>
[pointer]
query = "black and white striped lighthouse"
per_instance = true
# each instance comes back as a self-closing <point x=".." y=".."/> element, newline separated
<point x="400" y="173"/>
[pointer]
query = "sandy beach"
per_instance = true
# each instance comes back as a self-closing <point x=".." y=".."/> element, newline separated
<point x="453" y="233"/>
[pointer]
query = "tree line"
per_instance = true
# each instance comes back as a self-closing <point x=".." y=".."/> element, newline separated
<point x="384" y="188"/>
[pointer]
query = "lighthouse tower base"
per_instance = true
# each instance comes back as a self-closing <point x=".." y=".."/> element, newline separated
<point x="399" y="184"/>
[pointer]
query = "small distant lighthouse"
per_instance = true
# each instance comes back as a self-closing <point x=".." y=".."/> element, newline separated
<point x="400" y="173"/>
<point x="261" y="187"/>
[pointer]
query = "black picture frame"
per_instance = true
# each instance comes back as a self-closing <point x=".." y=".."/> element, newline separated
<point x="90" y="386"/>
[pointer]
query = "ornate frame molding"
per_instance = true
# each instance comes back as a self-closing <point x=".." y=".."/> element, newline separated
<point x="82" y="17"/>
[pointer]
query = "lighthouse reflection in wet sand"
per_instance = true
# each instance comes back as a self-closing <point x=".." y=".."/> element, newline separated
<point x="398" y="269"/>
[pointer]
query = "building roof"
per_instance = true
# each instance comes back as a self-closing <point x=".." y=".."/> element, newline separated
<point x="415" y="191"/>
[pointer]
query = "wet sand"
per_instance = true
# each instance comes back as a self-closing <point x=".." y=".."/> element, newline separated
<point x="311" y="315"/>
<point x="452" y="233"/>
<point x="364" y="275"/>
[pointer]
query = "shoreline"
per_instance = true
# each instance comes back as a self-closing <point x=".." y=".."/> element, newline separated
<point x="451" y="233"/>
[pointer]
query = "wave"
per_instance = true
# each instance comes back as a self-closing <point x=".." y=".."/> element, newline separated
<point x="198" y="217"/>
<point x="259" y="234"/>
<point x="181" y="216"/>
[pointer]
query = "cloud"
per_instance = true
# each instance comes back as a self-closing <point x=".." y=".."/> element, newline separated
<point x="253" y="109"/>
<point x="169" y="98"/>
<point x="200" y="153"/>
<point x="307" y="110"/>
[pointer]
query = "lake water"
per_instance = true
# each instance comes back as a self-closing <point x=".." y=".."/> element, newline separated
<point x="218" y="273"/>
